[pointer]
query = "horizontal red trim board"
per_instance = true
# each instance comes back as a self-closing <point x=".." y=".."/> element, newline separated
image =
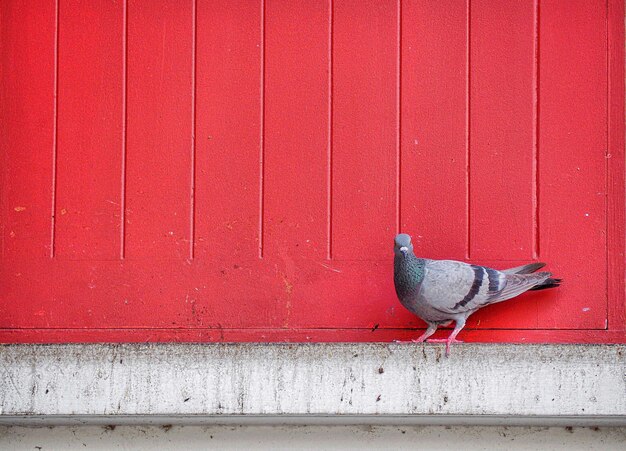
<point x="370" y="335"/>
<point x="216" y="171"/>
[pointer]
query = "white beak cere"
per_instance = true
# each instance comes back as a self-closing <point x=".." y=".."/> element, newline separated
<point x="404" y="249"/>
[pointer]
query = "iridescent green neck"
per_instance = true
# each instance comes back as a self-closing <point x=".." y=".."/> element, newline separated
<point x="408" y="273"/>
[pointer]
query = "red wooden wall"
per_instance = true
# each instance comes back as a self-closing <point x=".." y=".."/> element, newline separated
<point x="236" y="170"/>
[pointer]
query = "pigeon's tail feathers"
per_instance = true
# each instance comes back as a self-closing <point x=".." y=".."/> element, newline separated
<point x="525" y="269"/>
<point x="550" y="282"/>
<point x="516" y="284"/>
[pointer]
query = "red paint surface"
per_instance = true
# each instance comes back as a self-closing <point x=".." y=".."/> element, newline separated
<point x="502" y="124"/>
<point x="90" y="123"/>
<point x="159" y="129"/>
<point x="219" y="171"/>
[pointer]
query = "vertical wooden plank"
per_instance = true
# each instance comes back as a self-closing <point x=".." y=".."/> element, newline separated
<point x="365" y="128"/>
<point x="296" y="130"/>
<point x="159" y="128"/>
<point x="228" y="129"/>
<point x="89" y="155"/>
<point x="434" y="69"/>
<point x="573" y="159"/>
<point x="501" y="130"/>
<point x="27" y="84"/>
<point x="616" y="231"/>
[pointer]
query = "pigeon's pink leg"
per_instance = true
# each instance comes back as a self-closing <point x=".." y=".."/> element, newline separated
<point x="452" y="338"/>
<point x="422" y="338"/>
<point x="431" y="330"/>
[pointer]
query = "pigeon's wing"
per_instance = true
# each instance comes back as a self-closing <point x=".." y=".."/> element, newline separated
<point x="456" y="287"/>
<point x="516" y="284"/>
<point x="525" y="269"/>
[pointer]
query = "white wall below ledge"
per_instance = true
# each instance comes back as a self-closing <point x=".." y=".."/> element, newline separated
<point x="371" y="383"/>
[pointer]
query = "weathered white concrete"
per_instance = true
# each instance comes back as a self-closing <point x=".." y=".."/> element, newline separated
<point x="312" y="438"/>
<point x="407" y="383"/>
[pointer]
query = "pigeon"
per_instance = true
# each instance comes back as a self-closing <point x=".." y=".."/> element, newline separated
<point x="442" y="291"/>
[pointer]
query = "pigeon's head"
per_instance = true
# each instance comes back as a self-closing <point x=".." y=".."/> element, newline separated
<point x="402" y="245"/>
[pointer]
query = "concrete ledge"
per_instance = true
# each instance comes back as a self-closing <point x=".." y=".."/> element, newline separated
<point x="294" y="383"/>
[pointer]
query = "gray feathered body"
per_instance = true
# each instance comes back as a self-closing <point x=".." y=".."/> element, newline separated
<point x="408" y="275"/>
<point x="439" y="291"/>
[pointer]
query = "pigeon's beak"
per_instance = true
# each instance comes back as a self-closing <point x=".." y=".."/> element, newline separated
<point x="404" y="250"/>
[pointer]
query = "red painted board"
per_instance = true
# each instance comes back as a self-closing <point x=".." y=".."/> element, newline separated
<point x="27" y="121"/>
<point x="502" y="148"/>
<point x="501" y="129"/>
<point x="90" y="130"/>
<point x="573" y="161"/>
<point x="433" y="175"/>
<point x="159" y="129"/>
<point x="616" y="220"/>
<point x="228" y="130"/>
<point x="296" y="145"/>
<point x="364" y="128"/>
<point x="369" y="335"/>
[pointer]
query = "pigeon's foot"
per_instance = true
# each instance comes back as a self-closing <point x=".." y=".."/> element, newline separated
<point x="447" y="341"/>
<point x="422" y="338"/>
